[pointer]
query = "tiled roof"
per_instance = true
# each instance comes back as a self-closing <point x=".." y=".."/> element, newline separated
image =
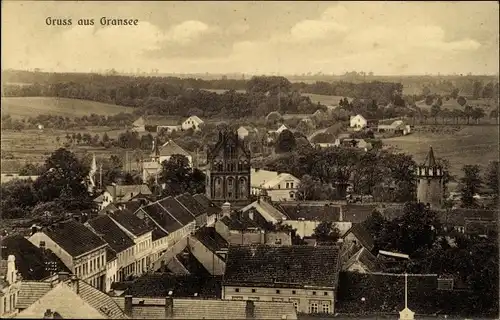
<point x="131" y="222"/>
<point x="176" y="210"/>
<point x="100" y="301"/>
<point x="162" y="217"/>
<point x="211" y="207"/>
<point x="366" y="258"/>
<point x="30" y="292"/>
<point x="459" y="217"/>
<point x="153" y="120"/>
<point x="211" y="239"/>
<point x="159" y="284"/>
<point x="74" y="237"/>
<point x="133" y="205"/>
<point x="104" y="227"/>
<point x="191" y="204"/>
<point x="158" y="234"/>
<point x="195" y="118"/>
<point x="109" y="208"/>
<point x="265" y="209"/>
<point x="110" y="254"/>
<point x="154" y="308"/>
<point x="357" y="213"/>
<point x="294" y="266"/>
<point x="31" y="261"/>
<point x="127" y="192"/>
<point x="362" y="235"/>
<point x="170" y="148"/>
<point x="189" y="261"/>
<point x="311" y="212"/>
<point x="233" y="223"/>
<point x="259" y="177"/>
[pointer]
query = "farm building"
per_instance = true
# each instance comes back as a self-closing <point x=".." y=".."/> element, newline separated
<point x="397" y="126"/>
<point x="155" y="123"/>
<point x="193" y="122"/>
<point x="245" y="131"/>
<point x="358" y="122"/>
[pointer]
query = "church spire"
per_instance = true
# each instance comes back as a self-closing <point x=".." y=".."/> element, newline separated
<point x="430" y="160"/>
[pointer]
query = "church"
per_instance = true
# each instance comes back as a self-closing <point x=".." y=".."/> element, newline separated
<point x="228" y="171"/>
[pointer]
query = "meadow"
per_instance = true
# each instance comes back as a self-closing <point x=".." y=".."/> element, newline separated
<point x="34" y="146"/>
<point x="20" y="107"/>
<point x="470" y="145"/>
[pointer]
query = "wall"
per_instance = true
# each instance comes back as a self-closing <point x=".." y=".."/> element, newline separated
<point x="302" y="298"/>
<point x="173" y="250"/>
<point x="430" y="191"/>
<point x="91" y="267"/>
<point x="201" y="220"/>
<point x="65" y="257"/>
<point x="111" y="273"/>
<point x="215" y="265"/>
<point x="305" y="228"/>
<point x="223" y="230"/>
<point x="107" y="199"/>
<point x="258" y="237"/>
<point x="143" y="248"/>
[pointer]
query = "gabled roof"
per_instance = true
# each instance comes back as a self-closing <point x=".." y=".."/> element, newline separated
<point x="153" y="120"/>
<point x="225" y="139"/>
<point x="170" y="148"/>
<point x="100" y="301"/>
<point x="130" y="222"/>
<point x="364" y="257"/>
<point x="128" y="192"/>
<point x="357" y="213"/>
<point x="283" y="266"/>
<point x="211" y="207"/>
<point x="107" y="229"/>
<point x="430" y="160"/>
<point x="211" y="239"/>
<point x="162" y="217"/>
<point x="30" y="292"/>
<point x="362" y="235"/>
<point x="265" y="209"/>
<point x="239" y="223"/>
<point x="31" y="261"/>
<point x="154" y="308"/>
<point x="180" y="213"/>
<point x="195" y="118"/>
<point x="74" y="237"/>
<point x="321" y="213"/>
<point x="191" y="204"/>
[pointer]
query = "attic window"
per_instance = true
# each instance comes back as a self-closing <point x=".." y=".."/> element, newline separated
<point x="42" y="243"/>
<point x="237" y="290"/>
<point x="253" y="290"/>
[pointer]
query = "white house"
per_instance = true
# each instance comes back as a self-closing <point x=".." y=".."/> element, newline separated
<point x="121" y="193"/>
<point x="193" y="122"/>
<point x="281" y="129"/>
<point x="81" y="250"/>
<point x="9" y="287"/>
<point x="245" y="131"/>
<point x="279" y="186"/>
<point x="358" y="122"/>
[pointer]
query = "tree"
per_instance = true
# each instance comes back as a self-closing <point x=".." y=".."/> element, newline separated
<point x="285" y="142"/>
<point x="461" y="101"/>
<point x="477" y="114"/>
<point x="63" y="170"/>
<point x="179" y="178"/>
<point x="18" y="197"/>
<point x="429" y="100"/>
<point x="435" y="110"/>
<point x="468" y="113"/>
<point x="477" y="90"/>
<point x="470" y="184"/>
<point x="326" y="232"/>
<point x="491" y="179"/>
<point x="454" y="93"/>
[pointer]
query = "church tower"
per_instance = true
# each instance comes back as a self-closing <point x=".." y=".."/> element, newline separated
<point x="228" y="171"/>
<point x="430" y="182"/>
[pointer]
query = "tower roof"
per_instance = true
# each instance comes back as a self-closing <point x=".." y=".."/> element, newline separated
<point x="430" y="160"/>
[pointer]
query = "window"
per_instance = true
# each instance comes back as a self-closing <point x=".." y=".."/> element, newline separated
<point x="314" y="293"/>
<point x="230" y="182"/>
<point x="287" y="185"/>
<point x="237" y="290"/>
<point x="253" y="290"/>
<point x="42" y="244"/>
<point x="291" y="185"/>
<point x="326" y="307"/>
<point x="326" y="293"/>
<point x="98" y="263"/>
<point x="278" y="291"/>
<point x="313" y="307"/>
<point x="296" y="305"/>
<point x="279" y="186"/>
<point x="294" y="292"/>
<point x="5" y="304"/>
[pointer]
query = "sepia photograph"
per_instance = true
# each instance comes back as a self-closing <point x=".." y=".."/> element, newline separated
<point x="249" y="160"/>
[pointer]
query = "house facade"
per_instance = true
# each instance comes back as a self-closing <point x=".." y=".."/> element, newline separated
<point x="228" y="171"/>
<point x="9" y="287"/>
<point x="245" y="131"/>
<point x="303" y="275"/>
<point x="82" y="251"/>
<point x="193" y="122"/>
<point x="358" y="122"/>
<point x="279" y="186"/>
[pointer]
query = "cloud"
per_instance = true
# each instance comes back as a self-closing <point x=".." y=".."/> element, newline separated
<point x="187" y="31"/>
<point x="315" y="29"/>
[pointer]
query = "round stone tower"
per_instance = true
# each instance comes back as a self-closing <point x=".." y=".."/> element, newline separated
<point x="430" y="182"/>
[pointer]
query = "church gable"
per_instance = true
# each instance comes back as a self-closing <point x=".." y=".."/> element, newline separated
<point x="229" y="146"/>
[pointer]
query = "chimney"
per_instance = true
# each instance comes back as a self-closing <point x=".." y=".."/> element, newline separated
<point x="63" y="276"/>
<point x="11" y="269"/>
<point x="169" y="306"/>
<point x="128" y="305"/>
<point x="250" y="310"/>
<point x="226" y="209"/>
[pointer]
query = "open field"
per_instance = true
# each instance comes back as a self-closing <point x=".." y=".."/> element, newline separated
<point x="325" y="100"/>
<point x="470" y="145"/>
<point x="32" y="146"/>
<point x="19" y="107"/>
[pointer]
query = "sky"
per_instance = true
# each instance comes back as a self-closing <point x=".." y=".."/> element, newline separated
<point x="386" y="38"/>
